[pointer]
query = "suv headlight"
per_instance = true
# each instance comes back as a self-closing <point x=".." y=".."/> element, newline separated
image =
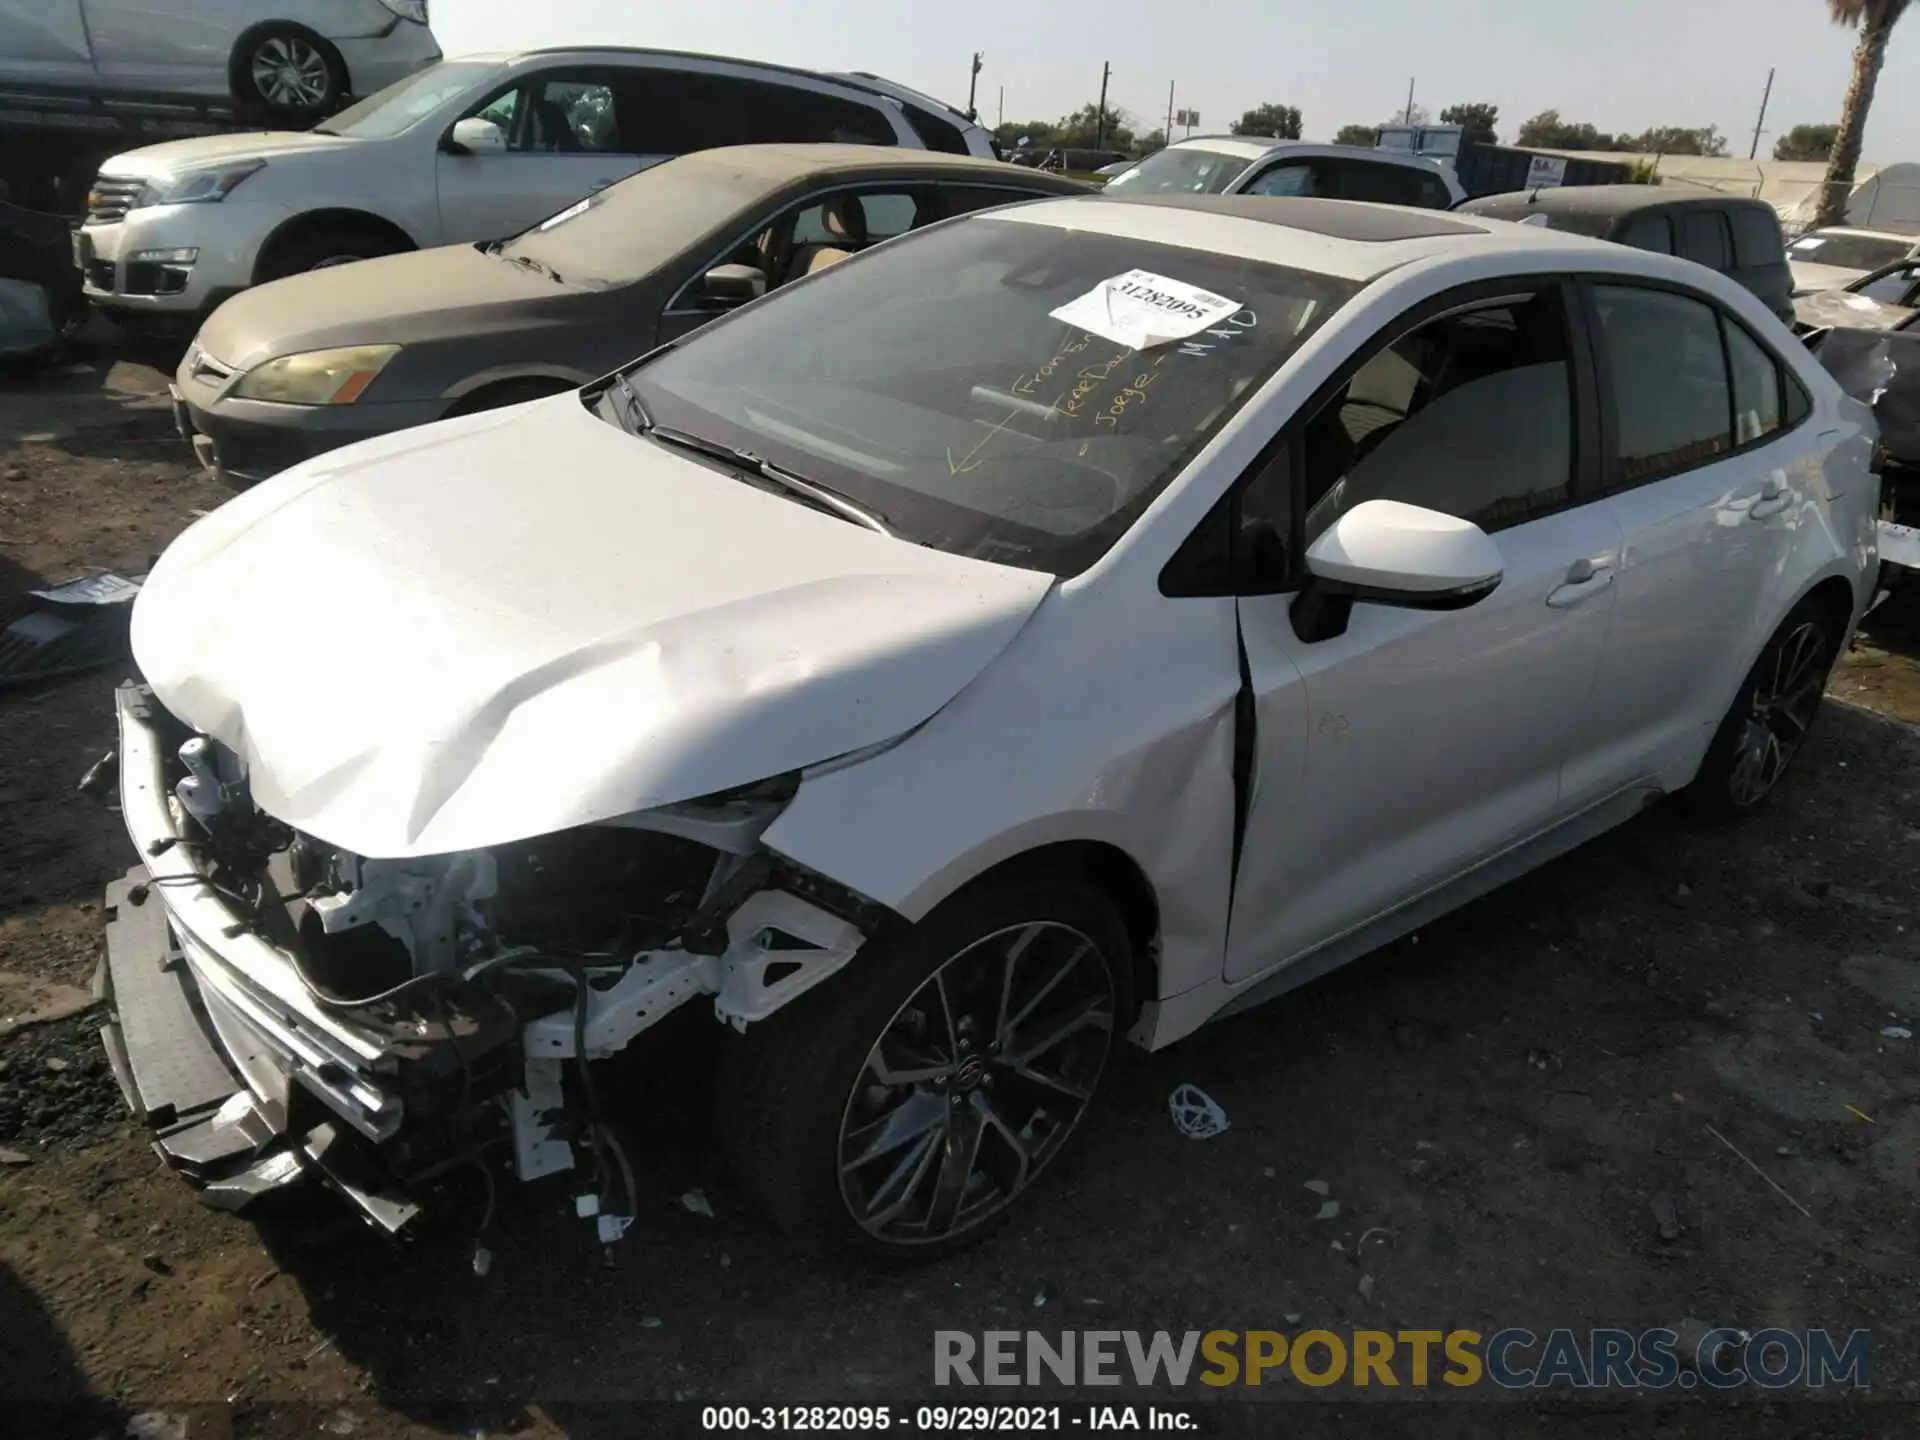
<point x="415" y="10"/>
<point x="318" y="377"/>
<point x="195" y="187"/>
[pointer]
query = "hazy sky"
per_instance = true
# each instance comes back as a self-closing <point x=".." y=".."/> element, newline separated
<point x="1625" y="65"/>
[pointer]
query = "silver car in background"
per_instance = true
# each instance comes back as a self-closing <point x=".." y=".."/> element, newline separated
<point x="291" y="58"/>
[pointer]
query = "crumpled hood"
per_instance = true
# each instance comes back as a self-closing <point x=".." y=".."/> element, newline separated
<point x="367" y="303"/>
<point x="528" y="620"/>
<point x="174" y="157"/>
<point x="1824" y="308"/>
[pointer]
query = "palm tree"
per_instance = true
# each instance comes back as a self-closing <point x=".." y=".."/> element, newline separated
<point x="1874" y="19"/>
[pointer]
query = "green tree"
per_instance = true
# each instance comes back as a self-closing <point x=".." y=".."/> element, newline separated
<point x="1806" y="142"/>
<point x="1282" y="122"/>
<point x="1476" y="122"/>
<point x="1415" y="115"/>
<point x="1151" y="141"/>
<point x="1874" y="19"/>
<point x="1547" y="131"/>
<point x="1355" y="135"/>
<point x="1675" y="140"/>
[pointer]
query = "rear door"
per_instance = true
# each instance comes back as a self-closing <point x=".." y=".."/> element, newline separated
<point x="563" y="134"/>
<point x="1703" y="236"/>
<point x="1708" y="465"/>
<point x="1760" y="256"/>
<point x="186" y="46"/>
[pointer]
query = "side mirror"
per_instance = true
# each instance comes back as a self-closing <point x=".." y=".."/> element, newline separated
<point x="474" y="136"/>
<point x="1393" y="554"/>
<point x="734" y="284"/>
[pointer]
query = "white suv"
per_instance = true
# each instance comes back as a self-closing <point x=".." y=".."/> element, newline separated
<point x="477" y="148"/>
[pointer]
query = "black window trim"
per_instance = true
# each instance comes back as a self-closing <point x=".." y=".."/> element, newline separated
<point x="1610" y="482"/>
<point x="526" y="86"/>
<point x="1177" y="578"/>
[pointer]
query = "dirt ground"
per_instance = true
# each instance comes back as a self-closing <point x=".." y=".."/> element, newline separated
<point x="1505" y="1107"/>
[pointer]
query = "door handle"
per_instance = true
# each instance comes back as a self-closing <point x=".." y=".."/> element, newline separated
<point x="1585" y="579"/>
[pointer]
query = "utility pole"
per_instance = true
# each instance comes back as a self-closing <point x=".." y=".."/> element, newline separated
<point x="1409" y="115"/>
<point x="1765" y="96"/>
<point x="973" y="77"/>
<point x="1168" y="132"/>
<point x="1003" y="107"/>
<point x="1100" y="119"/>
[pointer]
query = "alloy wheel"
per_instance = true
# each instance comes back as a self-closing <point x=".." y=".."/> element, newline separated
<point x="1785" y="697"/>
<point x="290" y="73"/>
<point x="975" y="1083"/>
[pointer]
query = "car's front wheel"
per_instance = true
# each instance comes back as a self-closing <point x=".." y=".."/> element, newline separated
<point x="1771" y="715"/>
<point x="905" y="1106"/>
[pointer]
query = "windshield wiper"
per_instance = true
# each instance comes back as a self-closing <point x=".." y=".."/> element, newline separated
<point x="631" y="413"/>
<point x="808" y="490"/>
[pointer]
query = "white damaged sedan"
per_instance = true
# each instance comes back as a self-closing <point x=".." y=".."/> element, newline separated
<point x="1053" y="629"/>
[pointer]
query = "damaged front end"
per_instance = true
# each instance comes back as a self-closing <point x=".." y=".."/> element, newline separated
<point x="281" y="1006"/>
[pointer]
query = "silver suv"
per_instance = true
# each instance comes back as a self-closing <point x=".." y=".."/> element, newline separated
<point x="1257" y="165"/>
<point x="477" y="148"/>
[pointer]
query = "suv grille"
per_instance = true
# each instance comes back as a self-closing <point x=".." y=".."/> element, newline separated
<point x="111" y="198"/>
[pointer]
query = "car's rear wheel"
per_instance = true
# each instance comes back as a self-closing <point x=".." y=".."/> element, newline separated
<point x="906" y="1106"/>
<point x="288" y="71"/>
<point x="1771" y="715"/>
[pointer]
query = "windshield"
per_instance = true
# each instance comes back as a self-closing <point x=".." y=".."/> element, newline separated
<point x="1849" y="252"/>
<point x="629" y="230"/>
<point x="1188" y="169"/>
<point x="930" y="381"/>
<point x="405" y="103"/>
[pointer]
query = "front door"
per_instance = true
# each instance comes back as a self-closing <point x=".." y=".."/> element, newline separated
<point x="556" y="138"/>
<point x="138" y="45"/>
<point x="1418" y="744"/>
<point x="45" y="41"/>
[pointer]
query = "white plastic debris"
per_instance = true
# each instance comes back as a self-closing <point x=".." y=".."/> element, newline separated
<point x="1366" y="1287"/>
<point x="612" y="1227"/>
<point x="1318" y="1187"/>
<point x="482" y="1261"/>
<point x="1329" y="1210"/>
<point x="586" y="1206"/>
<point x="696" y="1201"/>
<point x="1195" y="1113"/>
<point x="1897" y="1032"/>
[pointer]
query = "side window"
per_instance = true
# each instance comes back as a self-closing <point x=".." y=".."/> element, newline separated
<point x="784" y="114"/>
<point x="1296" y="178"/>
<point x="1702" y="237"/>
<point x="1756" y="385"/>
<point x="827" y="231"/>
<point x="1661" y="354"/>
<point x="1470" y="414"/>
<point x="1756" y="237"/>
<point x="1891" y="289"/>
<point x="1434" y="194"/>
<point x="570" y="114"/>
<point x="1649" y="232"/>
<point x="889" y="215"/>
<point x="1380" y="184"/>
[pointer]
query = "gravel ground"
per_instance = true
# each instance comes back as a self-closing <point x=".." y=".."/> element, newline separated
<point x="1538" y="1112"/>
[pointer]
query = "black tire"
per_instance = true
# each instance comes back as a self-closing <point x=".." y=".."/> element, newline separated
<point x="1770" y="716"/>
<point x="286" y="71"/>
<point x="787" y="1085"/>
<point x="322" y="249"/>
<point x="507" y="392"/>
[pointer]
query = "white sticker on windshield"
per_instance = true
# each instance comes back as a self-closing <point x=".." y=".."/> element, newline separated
<point x="1141" y="309"/>
<point x="1804" y="247"/>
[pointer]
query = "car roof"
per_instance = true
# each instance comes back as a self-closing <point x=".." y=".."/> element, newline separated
<point x="1343" y="238"/>
<point x="1259" y="147"/>
<point x="1861" y="230"/>
<point x="1604" y="200"/>
<point x="778" y="164"/>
